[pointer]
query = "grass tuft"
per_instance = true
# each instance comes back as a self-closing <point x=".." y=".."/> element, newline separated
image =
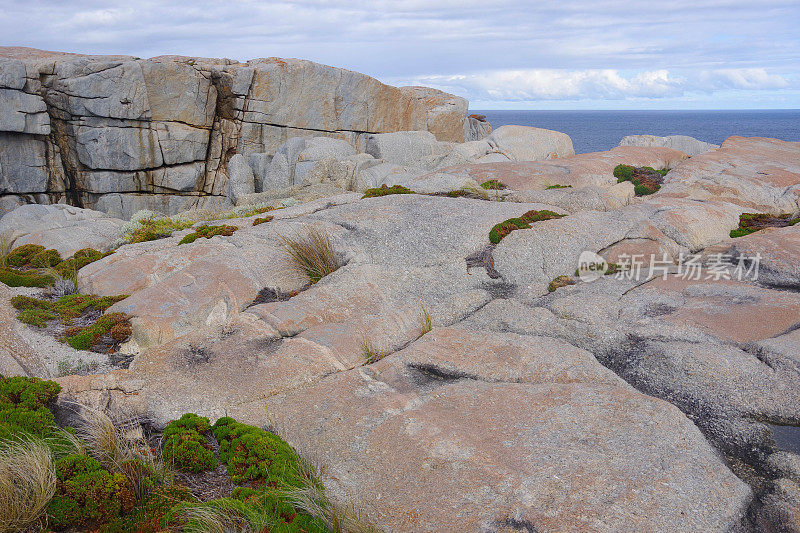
<point x="425" y="319"/>
<point x="27" y="484"/>
<point x="311" y="255"/>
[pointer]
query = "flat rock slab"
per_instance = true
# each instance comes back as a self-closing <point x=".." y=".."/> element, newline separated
<point x="758" y="174"/>
<point x="547" y="454"/>
<point x="596" y="168"/>
<point x="728" y="309"/>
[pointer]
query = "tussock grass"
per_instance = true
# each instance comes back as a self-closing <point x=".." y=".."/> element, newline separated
<point x="310" y="254"/>
<point x="311" y="498"/>
<point x="120" y="446"/>
<point x="27" y="484"/>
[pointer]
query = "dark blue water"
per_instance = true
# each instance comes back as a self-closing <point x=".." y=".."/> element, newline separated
<point x="594" y="131"/>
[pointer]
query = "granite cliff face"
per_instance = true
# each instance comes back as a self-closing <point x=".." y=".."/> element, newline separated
<point x="119" y="133"/>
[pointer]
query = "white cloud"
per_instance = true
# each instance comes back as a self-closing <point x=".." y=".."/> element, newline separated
<point x="552" y="84"/>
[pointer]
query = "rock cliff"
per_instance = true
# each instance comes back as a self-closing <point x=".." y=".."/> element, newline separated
<point x="120" y="133"/>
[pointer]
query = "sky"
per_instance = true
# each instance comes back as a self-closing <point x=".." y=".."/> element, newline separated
<point x="505" y="54"/>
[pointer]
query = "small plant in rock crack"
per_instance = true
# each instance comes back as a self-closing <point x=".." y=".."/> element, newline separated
<point x="371" y="352"/>
<point x="425" y="319"/>
<point x="310" y="254"/>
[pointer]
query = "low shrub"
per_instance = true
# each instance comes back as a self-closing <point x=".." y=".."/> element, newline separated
<point x="80" y="259"/>
<point x="499" y="231"/>
<point x="383" y="190"/>
<point x="24" y="405"/>
<point x="752" y="222"/>
<point x="21" y="256"/>
<point x="88" y="495"/>
<point x="646" y="180"/>
<point x="37" y="312"/>
<point x="24" y="278"/>
<point x="184" y="445"/>
<point x="557" y="186"/>
<point x="149" y="515"/>
<point x="46" y="258"/>
<point x="255" y="456"/>
<point x="208" y="232"/>
<point x="151" y="229"/>
<point x="262" y="220"/>
<point x="494" y="185"/>
<point x="560" y="281"/>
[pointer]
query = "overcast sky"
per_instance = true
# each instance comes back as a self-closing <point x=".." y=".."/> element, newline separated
<point x="538" y="54"/>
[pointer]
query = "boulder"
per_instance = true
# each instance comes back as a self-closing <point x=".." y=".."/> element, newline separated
<point x="240" y="178"/>
<point x="683" y="143"/>
<point x="778" y="252"/>
<point x="259" y="163"/>
<point x="61" y="227"/>
<point x="406" y="148"/>
<point x="523" y="143"/>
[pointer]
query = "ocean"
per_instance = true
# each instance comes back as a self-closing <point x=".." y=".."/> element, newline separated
<point x="595" y="131"/>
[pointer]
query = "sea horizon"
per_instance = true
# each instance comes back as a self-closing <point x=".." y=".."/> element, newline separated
<point x="603" y="129"/>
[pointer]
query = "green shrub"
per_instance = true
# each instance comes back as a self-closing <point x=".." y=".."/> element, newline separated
<point x="150" y="514"/>
<point x="87" y="495"/>
<point x="24" y="405"/>
<point x="493" y="185"/>
<point x="557" y="186"/>
<point x="80" y="259"/>
<point x="154" y="228"/>
<point x="45" y="259"/>
<point x="36" y="312"/>
<point x="499" y="231"/>
<point x="752" y="222"/>
<point x="184" y="445"/>
<point x="22" y="256"/>
<point x="208" y="232"/>
<point x="261" y="220"/>
<point x="255" y="455"/>
<point x="623" y="173"/>
<point x="24" y="278"/>
<point x="383" y="190"/>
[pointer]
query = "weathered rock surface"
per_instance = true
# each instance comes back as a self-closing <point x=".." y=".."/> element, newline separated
<point x="683" y="143"/>
<point x="759" y="175"/>
<point x="116" y="125"/>
<point x="61" y="227"/>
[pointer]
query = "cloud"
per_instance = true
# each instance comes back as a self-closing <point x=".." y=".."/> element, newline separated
<point x="506" y="49"/>
<point x="550" y="84"/>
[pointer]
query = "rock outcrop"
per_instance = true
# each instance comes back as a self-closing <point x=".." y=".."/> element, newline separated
<point x="119" y="134"/>
<point x="440" y="376"/>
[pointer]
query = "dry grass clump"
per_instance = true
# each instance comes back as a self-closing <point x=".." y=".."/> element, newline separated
<point x="27" y="484"/>
<point x="311" y="498"/>
<point x="310" y="254"/>
<point x="5" y="249"/>
<point x="120" y="446"/>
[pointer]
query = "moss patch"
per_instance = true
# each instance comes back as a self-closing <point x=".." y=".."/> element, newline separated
<point x="557" y="186"/>
<point x="646" y="180"/>
<point x="207" y="232"/>
<point x="383" y="190"/>
<point x="24" y="278"/>
<point x="752" y="222"/>
<point x="499" y="231"/>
